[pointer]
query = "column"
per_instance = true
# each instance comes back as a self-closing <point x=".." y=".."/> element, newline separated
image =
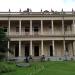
<point x="19" y="48"/>
<point x="31" y="47"/>
<point x="73" y="21"/>
<point x="74" y="47"/>
<point x="63" y="26"/>
<point x="53" y="47"/>
<point x="73" y="26"/>
<point x="52" y="26"/>
<point x="19" y="27"/>
<point x="42" y="51"/>
<point x="73" y="16"/>
<point x="9" y="27"/>
<point x="30" y="27"/>
<point x="64" y="47"/>
<point x="8" y="48"/>
<point x="41" y="26"/>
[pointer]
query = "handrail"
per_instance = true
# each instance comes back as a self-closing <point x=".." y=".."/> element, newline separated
<point x="36" y="13"/>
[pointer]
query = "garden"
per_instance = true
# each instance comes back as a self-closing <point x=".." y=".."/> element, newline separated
<point x="39" y="68"/>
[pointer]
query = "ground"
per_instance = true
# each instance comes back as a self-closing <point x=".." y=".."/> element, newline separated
<point x="45" y="68"/>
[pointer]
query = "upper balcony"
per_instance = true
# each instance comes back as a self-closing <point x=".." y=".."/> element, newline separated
<point x="38" y="28"/>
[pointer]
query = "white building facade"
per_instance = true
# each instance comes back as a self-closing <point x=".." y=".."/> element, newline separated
<point x="40" y="33"/>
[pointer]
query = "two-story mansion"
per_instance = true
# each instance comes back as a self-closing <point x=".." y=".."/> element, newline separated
<point x="40" y="33"/>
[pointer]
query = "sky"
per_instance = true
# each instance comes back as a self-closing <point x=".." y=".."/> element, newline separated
<point x="37" y="5"/>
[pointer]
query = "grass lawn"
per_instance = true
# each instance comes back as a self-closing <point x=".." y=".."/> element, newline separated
<point x="45" y="68"/>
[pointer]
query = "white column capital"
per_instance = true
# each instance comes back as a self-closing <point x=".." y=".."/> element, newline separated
<point x="30" y="21"/>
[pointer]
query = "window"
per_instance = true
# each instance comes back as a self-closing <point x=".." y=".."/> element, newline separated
<point x="67" y="48"/>
<point x="36" y="29"/>
<point x="5" y="29"/>
<point x="17" y="29"/>
<point x="65" y="28"/>
<point x="26" y="29"/>
<point x="50" y="26"/>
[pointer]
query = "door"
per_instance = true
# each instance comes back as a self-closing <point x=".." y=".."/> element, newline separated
<point x="51" y="50"/>
<point x="16" y="51"/>
<point x="36" y="50"/>
<point x="26" y="50"/>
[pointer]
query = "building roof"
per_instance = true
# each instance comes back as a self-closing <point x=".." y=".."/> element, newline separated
<point x="36" y="14"/>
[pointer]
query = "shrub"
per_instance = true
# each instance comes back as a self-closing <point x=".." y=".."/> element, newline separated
<point x="4" y="67"/>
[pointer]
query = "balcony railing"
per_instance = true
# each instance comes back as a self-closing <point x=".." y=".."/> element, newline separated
<point x="35" y="34"/>
<point x="36" y="13"/>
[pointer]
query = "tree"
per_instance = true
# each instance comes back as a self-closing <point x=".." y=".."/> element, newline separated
<point x="3" y="44"/>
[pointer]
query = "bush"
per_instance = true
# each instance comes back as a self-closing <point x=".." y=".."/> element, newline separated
<point x="5" y="67"/>
<point x="2" y="56"/>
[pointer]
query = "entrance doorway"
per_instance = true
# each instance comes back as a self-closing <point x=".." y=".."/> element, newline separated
<point x="16" y="51"/>
<point x="36" y="50"/>
<point x="51" y="50"/>
<point x="26" y="50"/>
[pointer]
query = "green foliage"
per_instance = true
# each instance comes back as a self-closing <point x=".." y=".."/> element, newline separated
<point x="3" y="44"/>
<point x="45" y="68"/>
<point x="2" y="34"/>
<point x="6" y="67"/>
